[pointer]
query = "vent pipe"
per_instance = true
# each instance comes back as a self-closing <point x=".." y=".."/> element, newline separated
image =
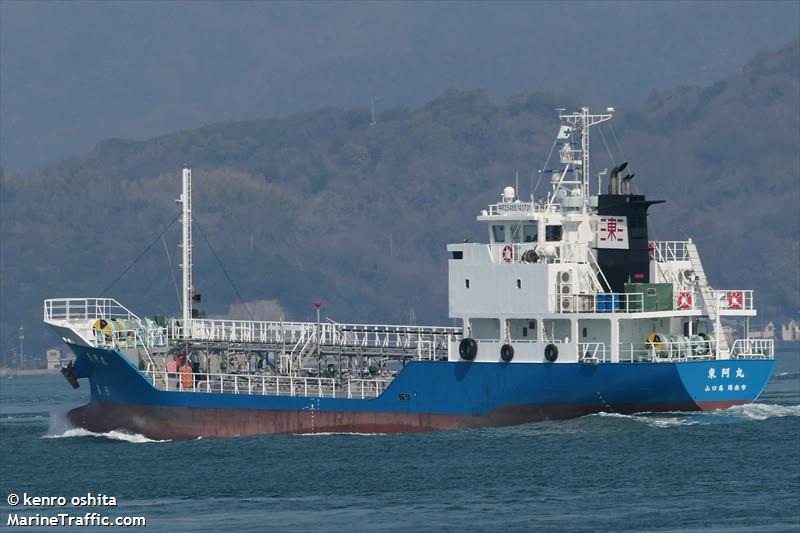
<point x="626" y="184"/>
<point x="613" y="182"/>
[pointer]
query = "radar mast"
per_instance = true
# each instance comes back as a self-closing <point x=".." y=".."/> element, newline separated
<point x="582" y="121"/>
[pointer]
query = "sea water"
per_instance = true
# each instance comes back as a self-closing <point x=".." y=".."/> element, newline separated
<point x="731" y="470"/>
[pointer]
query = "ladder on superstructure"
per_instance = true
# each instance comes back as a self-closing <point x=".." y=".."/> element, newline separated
<point x="710" y="303"/>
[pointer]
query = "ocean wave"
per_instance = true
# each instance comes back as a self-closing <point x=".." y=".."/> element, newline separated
<point x="111" y="435"/>
<point x="750" y="411"/>
<point x="658" y="420"/>
<point x="759" y="411"/>
<point x="786" y="375"/>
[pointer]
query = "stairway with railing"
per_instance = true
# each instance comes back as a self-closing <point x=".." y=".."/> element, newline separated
<point x="599" y="281"/>
<point x="710" y="302"/>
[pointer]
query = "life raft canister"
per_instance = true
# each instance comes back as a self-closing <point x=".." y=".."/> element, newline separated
<point x="551" y="352"/>
<point x="468" y="349"/>
<point x="187" y="379"/>
<point x="735" y="299"/>
<point x="507" y="353"/>
<point x="508" y="253"/>
<point x="684" y="300"/>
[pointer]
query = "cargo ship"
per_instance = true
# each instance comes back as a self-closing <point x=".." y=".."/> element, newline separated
<point x="568" y="309"/>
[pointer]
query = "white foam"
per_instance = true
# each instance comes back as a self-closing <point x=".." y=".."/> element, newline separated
<point x="760" y="411"/>
<point x="612" y="415"/>
<point x="750" y="411"/>
<point x="652" y="419"/>
<point x="112" y="435"/>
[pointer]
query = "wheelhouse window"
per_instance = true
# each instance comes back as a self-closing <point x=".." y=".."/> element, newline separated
<point x="516" y="233"/>
<point x="553" y="233"/>
<point x="499" y="233"/>
<point x="530" y="233"/>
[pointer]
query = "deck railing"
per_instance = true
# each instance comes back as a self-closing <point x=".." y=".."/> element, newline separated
<point x="594" y="352"/>
<point x="85" y="309"/>
<point x="664" y="251"/>
<point x="606" y="302"/>
<point x="514" y="208"/>
<point x="366" y="388"/>
<point x="735" y="299"/>
<point x="667" y="350"/>
<point x="426" y="342"/>
<point x="267" y="385"/>
<point x="551" y="252"/>
<point x="760" y="348"/>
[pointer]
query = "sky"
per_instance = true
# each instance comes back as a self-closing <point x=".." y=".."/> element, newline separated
<point x="75" y="73"/>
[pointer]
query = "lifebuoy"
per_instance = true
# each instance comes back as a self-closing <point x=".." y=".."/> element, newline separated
<point x="468" y="349"/>
<point x="551" y="352"/>
<point x="507" y="353"/>
<point x="735" y="299"/>
<point x="684" y="300"/>
<point x="508" y="253"/>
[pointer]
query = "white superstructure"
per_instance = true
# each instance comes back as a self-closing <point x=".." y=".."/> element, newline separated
<point x="574" y="276"/>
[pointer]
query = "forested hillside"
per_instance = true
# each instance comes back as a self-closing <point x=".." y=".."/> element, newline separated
<point x="72" y="73"/>
<point x="324" y="206"/>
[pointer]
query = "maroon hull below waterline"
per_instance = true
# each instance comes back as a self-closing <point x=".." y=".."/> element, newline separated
<point x="193" y="422"/>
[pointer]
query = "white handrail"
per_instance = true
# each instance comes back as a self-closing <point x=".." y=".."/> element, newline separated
<point x="753" y="348"/>
<point x="735" y="299"/>
<point x="665" y="251"/>
<point x="85" y="309"/>
<point x="266" y="385"/>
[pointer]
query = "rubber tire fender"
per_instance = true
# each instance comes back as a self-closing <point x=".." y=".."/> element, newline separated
<point x="468" y="348"/>
<point x="507" y="353"/>
<point x="551" y="352"/>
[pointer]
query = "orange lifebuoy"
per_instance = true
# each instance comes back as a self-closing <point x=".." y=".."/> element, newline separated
<point x="684" y="300"/>
<point x="187" y="380"/>
<point x="508" y="253"/>
<point x="735" y="299"/>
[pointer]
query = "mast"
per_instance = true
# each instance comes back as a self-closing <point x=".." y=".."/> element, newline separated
<point x="186" y="247"/>
<point x="582" y="121"/>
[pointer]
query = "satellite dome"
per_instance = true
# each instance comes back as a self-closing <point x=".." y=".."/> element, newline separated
<point x="508" y="194"/>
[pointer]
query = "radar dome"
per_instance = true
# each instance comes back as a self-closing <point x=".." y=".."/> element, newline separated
<point x="508" y="194"/>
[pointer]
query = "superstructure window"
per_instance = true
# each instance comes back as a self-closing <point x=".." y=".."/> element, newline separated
<point x="466" y="283"/>
<point x="553" y="233"/>
<point x="530" y="233"/>
<point x="499" y="233"/>
<point x="516" y="233"/>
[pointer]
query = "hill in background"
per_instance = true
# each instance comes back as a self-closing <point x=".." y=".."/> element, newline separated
<point x="323" y="206"/>
<point x="75" y="72"/>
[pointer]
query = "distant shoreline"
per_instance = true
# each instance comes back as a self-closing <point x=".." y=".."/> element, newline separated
<point x="11" y="372"/>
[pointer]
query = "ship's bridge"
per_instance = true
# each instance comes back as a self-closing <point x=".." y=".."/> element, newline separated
<point x="549" y="230"/>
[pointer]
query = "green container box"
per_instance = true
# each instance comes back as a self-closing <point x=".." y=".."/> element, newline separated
<point x="655" y="296"/>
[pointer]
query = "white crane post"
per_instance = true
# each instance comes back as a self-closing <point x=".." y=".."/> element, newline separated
<point x="186" y="248"/>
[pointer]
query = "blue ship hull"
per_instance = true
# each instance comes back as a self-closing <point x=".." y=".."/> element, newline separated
<point x="425" y="396"/>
